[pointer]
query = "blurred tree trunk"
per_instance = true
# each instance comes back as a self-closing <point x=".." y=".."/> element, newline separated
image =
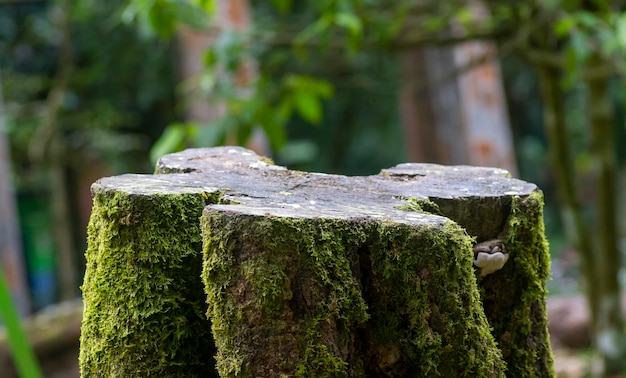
<point x="597" y="246"/>
<point x="11" y="255"/>
<point x="453" y="105"/>
<point x="486" y="125"/>
<point x="610" y="335"/>
<point x="430" y="106"/>
<point x="418" y="119"/>
<point x="562" y="164"/>
<point x="48" y="149"/>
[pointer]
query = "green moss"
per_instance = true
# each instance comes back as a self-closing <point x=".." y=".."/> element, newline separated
<point x="281" y="294"/>
<point x="423" y="205"/>
<point x="514" y="297"/>
<point x="144" y="303"/>
<point x="338" y="298"/>
<point x="425" y="302"/>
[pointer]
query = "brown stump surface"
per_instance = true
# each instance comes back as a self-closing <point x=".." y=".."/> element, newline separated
<point x="312" y="274"/>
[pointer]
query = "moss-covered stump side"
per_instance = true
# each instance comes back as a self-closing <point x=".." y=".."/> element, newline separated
<point x="491" y="205"/>
<point x="144" y="312"/>
<point x="514" y="298"/>
<point x="350" y="297"/>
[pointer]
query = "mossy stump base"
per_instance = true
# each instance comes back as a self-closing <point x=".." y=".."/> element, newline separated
<point x="223" y="264"/>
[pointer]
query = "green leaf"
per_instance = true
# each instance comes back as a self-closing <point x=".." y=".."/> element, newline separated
<point x="285" y="109"/>
<point x="282" y="6"/>
<point x="207" y="5"/>
<point x="323" y="88"/>
<point x="208" y="58"/>
<point x="350" y="22"/>
<point x="434" y="24"/>
<point x="243" y="133"/>
<point x="207" y="81"/>
<point x="276" y="134"/>
<point x="464" y="16"/>
<point x="162" y="18"/>
<point x="563" y="26"/>
<point x="316" y="28"/>
<point x="191" y="15"/>
<point x="171" y="140"/>
<point x="588" y="19"/>
<point x="25" y="361"/>
<point x="308" y="106"/>
<point x="620" y="30"/>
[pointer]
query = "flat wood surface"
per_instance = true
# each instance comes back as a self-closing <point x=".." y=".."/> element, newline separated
<point x="477" y="198"/>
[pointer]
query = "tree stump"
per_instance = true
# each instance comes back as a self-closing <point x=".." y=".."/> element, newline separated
<point x="422" y="270"/>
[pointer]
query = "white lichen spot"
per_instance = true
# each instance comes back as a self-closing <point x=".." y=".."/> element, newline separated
<point x="511" y="193"/>
<point x="232" y="151"/>
<point x="258" y="164"/>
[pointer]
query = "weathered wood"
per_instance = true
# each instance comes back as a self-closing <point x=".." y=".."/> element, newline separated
<point x="312" y="274"/>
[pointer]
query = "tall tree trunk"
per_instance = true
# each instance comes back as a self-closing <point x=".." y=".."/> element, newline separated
<point x="561" y="160"/>
<point x="47" y="148"/>
<point x="468" y="121"/>
<point x="63" y="227"/>
<point x="483" y="107"/>
<point x="610" y="335"/>
<point x="418" y="120"/>
<point x="445" y="101"/>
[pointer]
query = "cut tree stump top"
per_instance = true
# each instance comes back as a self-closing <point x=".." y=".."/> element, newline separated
<point x="477" y="198"/>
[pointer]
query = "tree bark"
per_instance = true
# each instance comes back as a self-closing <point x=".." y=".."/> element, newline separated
<point x="610" y="334"/>
<point x="47" y="149"/>
<point x="453" y="106"/>
<point x="312" y="274"/>
<point x="561" y="159"/>
<point x="418" y="120"/>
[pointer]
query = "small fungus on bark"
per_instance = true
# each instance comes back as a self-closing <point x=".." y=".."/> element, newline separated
<point x="490" y="256"/>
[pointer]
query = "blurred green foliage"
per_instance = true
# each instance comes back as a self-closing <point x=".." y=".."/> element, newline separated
<point x="118" y="99"/>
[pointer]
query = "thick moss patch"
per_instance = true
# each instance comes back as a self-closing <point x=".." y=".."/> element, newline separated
<point x="144" y="304"/>
<point x="423" y="298"/>
<point x="514" y="297"/>
<point x="343" y="298"/>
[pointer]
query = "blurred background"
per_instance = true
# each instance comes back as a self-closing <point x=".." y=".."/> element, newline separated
<point x="99" y="88"/>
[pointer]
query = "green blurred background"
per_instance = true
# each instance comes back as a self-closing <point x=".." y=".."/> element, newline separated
<point x="100" y="88"/>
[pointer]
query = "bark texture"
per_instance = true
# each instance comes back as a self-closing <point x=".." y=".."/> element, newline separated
<point x="308" y="274"/>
